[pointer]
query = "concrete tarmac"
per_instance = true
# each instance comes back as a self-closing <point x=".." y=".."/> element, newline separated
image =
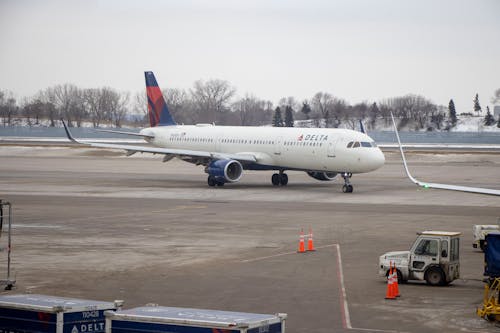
<point x="95" y="224"/>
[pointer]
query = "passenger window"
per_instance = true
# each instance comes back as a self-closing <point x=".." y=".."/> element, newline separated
<point x="355" y="145"/>
<point x="349" y="145"/>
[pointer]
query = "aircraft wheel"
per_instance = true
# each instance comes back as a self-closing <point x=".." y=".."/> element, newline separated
<point x="347" y="189"/>
<point x="275" y="179"/>
<point x="283" y="179"/>
<point x="211" y="181"/>
<point x="220" y="184"/>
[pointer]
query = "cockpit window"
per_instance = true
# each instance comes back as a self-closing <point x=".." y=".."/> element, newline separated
<point x="349" y="145"/>
<point x="366" y="144"/>
<point x="356" y="145"/>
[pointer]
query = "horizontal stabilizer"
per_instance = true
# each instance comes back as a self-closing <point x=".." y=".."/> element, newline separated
<point x="126" y="133"/>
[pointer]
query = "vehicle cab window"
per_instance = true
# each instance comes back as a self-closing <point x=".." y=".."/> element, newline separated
<point x="355" y="145"/>
<point x="349" y="145"/>
<point x="427" y="247"/>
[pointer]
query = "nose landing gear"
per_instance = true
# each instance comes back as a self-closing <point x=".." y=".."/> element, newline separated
<point x="347" y="188"/>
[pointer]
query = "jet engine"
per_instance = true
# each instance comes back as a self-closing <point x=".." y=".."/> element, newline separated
<point x="225" y="171"/>
<point x="323" y="176"/>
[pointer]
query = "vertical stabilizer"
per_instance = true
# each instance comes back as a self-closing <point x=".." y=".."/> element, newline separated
<point x="157" y="108"/>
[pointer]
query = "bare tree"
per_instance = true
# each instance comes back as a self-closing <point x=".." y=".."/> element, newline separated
<point x="116" y="105"/>
<point x="496" y="97"/>
<point x="211" y="98"/>
<point x="95" y="105"/>
<point x="248" y="109"/>
<point x="50" y="110"/>
<point x="140" y="107"/>
<point x="68" y="100"/>
<point x="180" y="105"/>
<point x="33" y="108"/>
<point x="410" y="109"/>
<point x="8" y="107"/>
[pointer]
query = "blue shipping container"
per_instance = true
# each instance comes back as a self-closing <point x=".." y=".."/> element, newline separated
<point x="49" y="314"/>
<point x="492" y="255"/>
<point x="157" y="319"/>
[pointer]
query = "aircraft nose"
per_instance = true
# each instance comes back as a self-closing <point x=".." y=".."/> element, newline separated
<point x="378" y="159"/>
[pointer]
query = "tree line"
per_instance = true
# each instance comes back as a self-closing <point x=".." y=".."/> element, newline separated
<point x="215" y="101"/>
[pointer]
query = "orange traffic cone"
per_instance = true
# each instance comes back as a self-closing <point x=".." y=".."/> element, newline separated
<point x="310" y="245"/>
<point x="395" y="282"/>
<point x="301" y="242"/>
<point x="389" y="294"/>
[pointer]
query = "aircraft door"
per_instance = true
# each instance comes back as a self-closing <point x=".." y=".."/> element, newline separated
<point x="330" y="152"/>
<point x="277" y="145"/>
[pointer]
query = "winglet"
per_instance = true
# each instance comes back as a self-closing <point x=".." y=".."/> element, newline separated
<point x="68" y="133"/>
<point x="403" y="154"/>
<point x="449" y="187"/>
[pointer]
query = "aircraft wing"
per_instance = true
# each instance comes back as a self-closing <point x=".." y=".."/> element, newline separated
<point x="179" y="152"/>
<point x="479" y="190"/>
<point x="166" y="151"/>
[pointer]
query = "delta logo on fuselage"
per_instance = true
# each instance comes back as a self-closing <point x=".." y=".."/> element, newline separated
<point x="313" y="137"/>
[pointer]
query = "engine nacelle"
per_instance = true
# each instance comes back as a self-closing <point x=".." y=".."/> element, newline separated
<point x="225" y="170"/>
<point x="323" y="176"/>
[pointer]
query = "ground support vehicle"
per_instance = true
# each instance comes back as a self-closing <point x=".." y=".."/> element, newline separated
<point x="433" y="257"/>
<point x="153" y="319"/>
<point x="49" y="314"/>
<point x="490" y="308"/>
<point x="479" y="232"/>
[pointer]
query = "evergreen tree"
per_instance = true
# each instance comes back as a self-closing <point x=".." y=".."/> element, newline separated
<point x="288" y="116"/>
<point x="306" y="109"/>
<point x="477" y="106"/>
<point x="374" y="113"/>
<point x="488" y="119"/>
<point x="452" y="112"/>
<point x="277" y="118"/>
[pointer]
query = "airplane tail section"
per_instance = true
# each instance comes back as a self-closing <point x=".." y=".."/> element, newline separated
<point x="157" y="108"/>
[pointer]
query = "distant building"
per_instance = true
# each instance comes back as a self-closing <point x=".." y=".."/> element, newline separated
<point x="496" y="111"/>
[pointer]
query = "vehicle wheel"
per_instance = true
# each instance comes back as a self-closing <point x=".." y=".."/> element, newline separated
<point x="211" y="181"/>
<point x="284" y="179"/>
<point x="344" y="188"/>
<point x="349" y="188"/>
<point x="220" y="184"/>
<point x="434" y="277"/>
<point x="481" y="245"/>
<point x="275" y="179"/>
<point x="400" y="276"/>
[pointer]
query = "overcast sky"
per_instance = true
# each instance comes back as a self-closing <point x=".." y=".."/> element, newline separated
<point x="355" y="49"/>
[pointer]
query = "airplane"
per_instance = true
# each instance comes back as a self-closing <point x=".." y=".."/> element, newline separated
<point x="478" y="190"/>
<point x="225" y="151"/>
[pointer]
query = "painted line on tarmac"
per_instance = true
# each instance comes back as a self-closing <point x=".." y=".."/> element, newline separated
<point x="282" y="254"/>
<point x="346" y="318"/>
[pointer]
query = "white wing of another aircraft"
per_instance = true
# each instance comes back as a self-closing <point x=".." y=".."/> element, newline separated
<point x="479" y="190"/>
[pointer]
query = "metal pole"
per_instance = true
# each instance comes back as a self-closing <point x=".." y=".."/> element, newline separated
<point x="10" y="241"/>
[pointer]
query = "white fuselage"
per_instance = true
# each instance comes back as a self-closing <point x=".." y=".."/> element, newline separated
<point x="308" y="149"/>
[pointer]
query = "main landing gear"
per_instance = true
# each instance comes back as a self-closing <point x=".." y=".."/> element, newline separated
<point x="347" y="188"/>
<point x="279" y="178"/>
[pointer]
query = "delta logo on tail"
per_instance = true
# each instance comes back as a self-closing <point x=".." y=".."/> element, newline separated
<point x="157" y="108"/>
